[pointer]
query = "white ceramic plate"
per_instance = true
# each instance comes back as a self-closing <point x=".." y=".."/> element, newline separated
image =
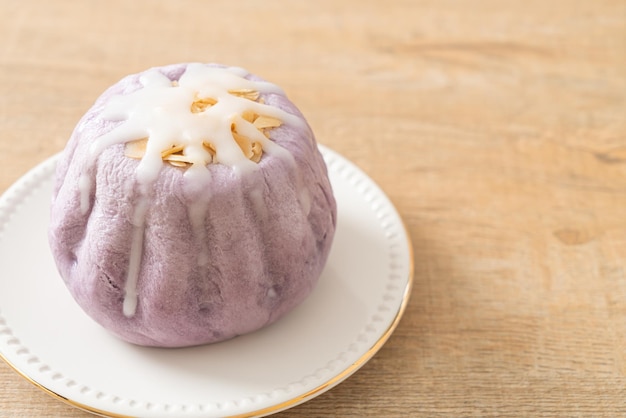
<point x="351" y="313"/>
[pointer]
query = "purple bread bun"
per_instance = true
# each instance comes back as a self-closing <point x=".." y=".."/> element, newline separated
<point x="216" y="257"/>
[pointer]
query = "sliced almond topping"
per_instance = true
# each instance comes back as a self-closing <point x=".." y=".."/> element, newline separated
<point x="244" y="143"/>
<point x="178" y="163"/>
<point x="249" y="116"/>
<point x="201" y="104"/>
<point x="136" y="149"/>
<point x="263" y="122"/>
<point x="245" y="93"/>
<point x="257" y="152"/>
<point x="178" y="158"/>
<point x="173" y="150"/>
<point x="209" y="147"/>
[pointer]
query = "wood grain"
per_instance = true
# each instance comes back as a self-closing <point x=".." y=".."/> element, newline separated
<point x="498" y="128"/>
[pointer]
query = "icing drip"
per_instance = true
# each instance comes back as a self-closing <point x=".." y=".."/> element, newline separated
<point x="185" y="114"/>
<point x="136" y="252"/>
<point x="198" y="180"/>
<point x="84" y="185"/>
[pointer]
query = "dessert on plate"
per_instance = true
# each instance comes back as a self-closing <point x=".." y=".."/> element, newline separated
<point x="191" y="205"/>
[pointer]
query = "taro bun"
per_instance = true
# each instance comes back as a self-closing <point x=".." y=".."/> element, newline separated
<point x="191" y="205"/>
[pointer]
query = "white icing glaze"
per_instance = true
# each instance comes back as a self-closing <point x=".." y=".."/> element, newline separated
<point x="198" y="181"/>
<point x="84" y="186"/>
<point x="136" y="252"/>
<point x="161" y="111"/>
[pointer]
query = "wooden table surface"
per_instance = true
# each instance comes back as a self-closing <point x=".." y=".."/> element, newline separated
<point x="497" y="128"/>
